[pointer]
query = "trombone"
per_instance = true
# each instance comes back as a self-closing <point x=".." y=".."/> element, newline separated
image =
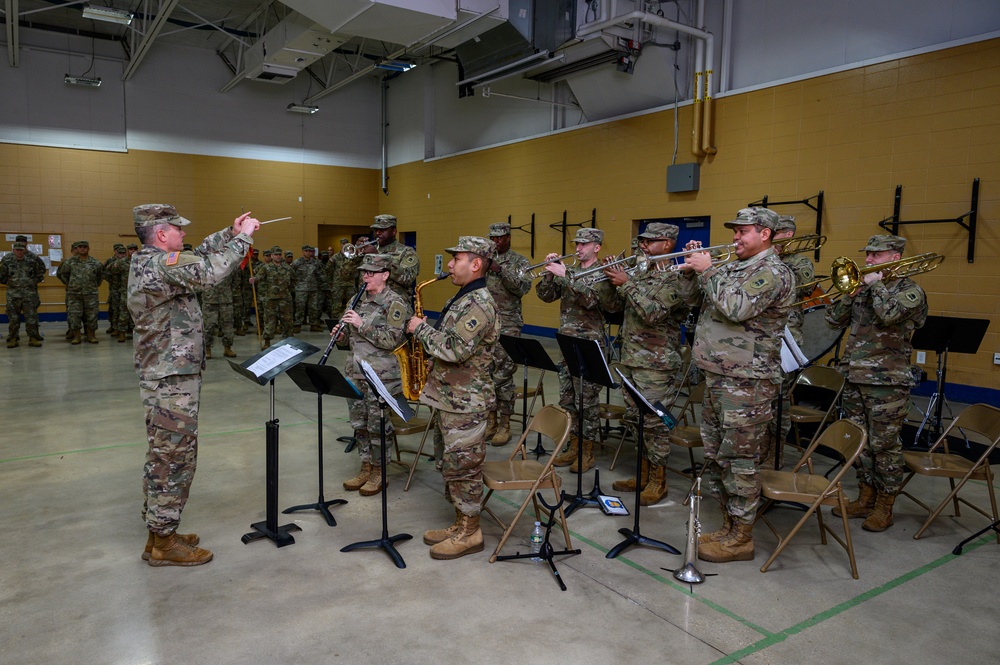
<point x="644" y="263"/>
<point x="847" y="275"/>
<point x="535" y="271"/>
<point x="350" y="251"/>
<point x="800" y="244"/>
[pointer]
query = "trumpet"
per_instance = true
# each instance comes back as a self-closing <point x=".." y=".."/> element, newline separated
<point x="847" y="275"/>
<point x="536" y="270"/>
<point x="643" y="263"/>
<point x="800" y="244"/>
<point x="688" y="572"/>
<point x="350" y="251"/>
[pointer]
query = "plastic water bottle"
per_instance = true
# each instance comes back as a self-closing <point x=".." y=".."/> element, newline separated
<point x="537" y="537"/>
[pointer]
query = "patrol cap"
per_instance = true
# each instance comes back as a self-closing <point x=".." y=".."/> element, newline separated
<point x="80" y="243"/>
<point x="20" y="245"/>
<point x="376" y="263"/>
<point x="308" y="248"/>
<point x="20" y="237"/>
<point x="658" y="230"/>
<point x="132" y="245"/>
<point x="882" y="242"/>
<point x="275" y="250"/>
<point x="483" y="247"/>
<point x="254" y="251"/>
<point x="765" y="217"/>
<point x="324" y="253"/>
<point x="289" y="253"/>
<point x="785" y="223"/>
<point x="188" y="247"/>
<point x="589" y="235"/>
<point x="344" y="241"/>
<point x="384" y="222"/>
<point x="119" y="247"/>
<point x="151" y="214"/>
<point x="499" y="230"/>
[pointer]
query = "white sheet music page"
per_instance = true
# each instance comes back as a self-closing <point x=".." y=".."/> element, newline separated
<point x="382" y="390"/>
<point x="792" y="357"/>
<point x="276" y="356"/>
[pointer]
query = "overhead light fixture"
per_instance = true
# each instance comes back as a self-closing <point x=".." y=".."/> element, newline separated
<point x="86" y="81"/>
<point x="395" y="65"/>
<point x="301" y="108"/>
<point x="108" y="14"/>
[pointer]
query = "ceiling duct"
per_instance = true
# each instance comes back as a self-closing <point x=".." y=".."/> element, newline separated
<point x="294" y="44"/>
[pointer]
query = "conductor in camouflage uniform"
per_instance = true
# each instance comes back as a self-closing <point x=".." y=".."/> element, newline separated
<point x="308" y="274"/>
<point x="169" y="359"/>
<point x="507" y="283"/>
<point x="737" y="344"/>
<point x="21" y="276"/>
<point x="650" y="355"/>
<point x="579" y="316"/>
<point x="82" y="275"/>
<point x="405" y="263"/>
<point x="373" y="328"/>
<point x="459" y="386"/>
<point x="881" y="314"/>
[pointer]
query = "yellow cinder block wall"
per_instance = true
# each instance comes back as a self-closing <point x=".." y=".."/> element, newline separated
<point x="930" y="123"/>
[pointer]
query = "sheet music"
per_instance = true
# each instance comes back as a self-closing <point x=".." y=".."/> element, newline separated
<point x="792" y="357"/>
<point x="275" y="356"/>
<point x="382" y="390"/>
<point x="634" y="392"/>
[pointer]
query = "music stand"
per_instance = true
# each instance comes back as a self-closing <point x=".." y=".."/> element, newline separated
<point x="943" y="334"/>
<point x="402" y="409"/>
<point x="584" y="361"/>
<point x="322" y="380"/>
<point x="632" y="536"/>
<point x="529" y="353"/>
<point x="262" y="369"/>
<point x="546" y="552"/>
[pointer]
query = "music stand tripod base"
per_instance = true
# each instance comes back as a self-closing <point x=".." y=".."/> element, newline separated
<point x="546" y="553"/>
<point x="280" y="536"/>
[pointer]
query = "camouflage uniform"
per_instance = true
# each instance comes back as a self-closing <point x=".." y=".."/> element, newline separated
<point x="124" y="323"/>
<point x="116" y="287"/>
<point x="405" y="262"/>
<point x="459" y="384"/>
<point x="507" y="288"/>
<point x="342" y="276"/>
<point x="274" y="285"/>
<point x="169" y="356"/>
<point x="21" y="277"/>
<point x="256" y="267"/>
<point x="324" y="285"/>
<point x="737" y="345"/>
<point x="308" y="271"/>
<point x="82" y="279"/>
<point x="217" y="310"/>
<point x="881" y="318"/>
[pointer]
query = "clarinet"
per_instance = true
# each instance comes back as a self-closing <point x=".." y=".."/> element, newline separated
<point x="340" y="326"/>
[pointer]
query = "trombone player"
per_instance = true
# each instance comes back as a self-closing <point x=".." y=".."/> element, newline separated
<point x="881" y="315"/>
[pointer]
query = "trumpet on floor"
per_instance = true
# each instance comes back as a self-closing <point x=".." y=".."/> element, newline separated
<point x="847" y="275"/>
<point x="640" y="264"/>
<point x="537" y="270"/>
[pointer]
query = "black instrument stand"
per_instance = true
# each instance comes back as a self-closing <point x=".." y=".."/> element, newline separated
<point x="263" y="368"/>
<point x="529" y="353"/>
<point x="546" y="553"/>
<point x="321" y="380"/>
<point x="585" y="361"/>
<point x="632" y="536"/>
<point x="386" y="542"/>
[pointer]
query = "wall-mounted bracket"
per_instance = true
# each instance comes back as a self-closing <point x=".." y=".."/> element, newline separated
<point x="530" y="230"/>
<point x="562" y="226"/>
<point x="892" y="224"/>
<point x="818" y="207"/>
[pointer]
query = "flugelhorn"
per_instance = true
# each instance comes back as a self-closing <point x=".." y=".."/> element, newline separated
<point x="689" y="572"/>
<point x="535" y="271"/>
<point x="350" y="251"/>
<point x="800" y="244"/>
<point x="847" y="275"/>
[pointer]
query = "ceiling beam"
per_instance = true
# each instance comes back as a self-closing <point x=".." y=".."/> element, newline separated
<point x="10" y="9"/>
<point x="152" y="30"/>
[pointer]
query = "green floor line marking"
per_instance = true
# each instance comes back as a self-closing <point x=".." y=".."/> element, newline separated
<point x="781" y="636"/>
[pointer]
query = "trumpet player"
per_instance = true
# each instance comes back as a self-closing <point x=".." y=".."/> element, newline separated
<point x="650" y="335"/>
<point x="507" y="282"/>
<point x="881" y="316"/>
<point x="579" y="316"/>
<point x="405" y="263"/>
<point x="737" y="344"/>
<point x="459" y="385"/>
<point x="373" y="329"/>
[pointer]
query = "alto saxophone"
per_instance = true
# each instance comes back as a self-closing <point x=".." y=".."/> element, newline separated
<point x="412" y="363"/>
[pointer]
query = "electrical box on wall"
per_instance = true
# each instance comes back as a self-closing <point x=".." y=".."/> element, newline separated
<point x="683" y="177"/>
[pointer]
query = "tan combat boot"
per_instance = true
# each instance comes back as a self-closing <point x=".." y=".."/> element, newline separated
<point x="863" y="506"/>
<point x="738" y="546"/>
<point x="91" y="337"/>
<point x="69" y="334"/>
<point x="186" y="538"/>
<point x="468" y="539"/>
<point x="374" y="484"/>
<point x="208" y="353"/>
<point x="76" y="339"/>
<point x="588" y="458"/>
<point x="491" y="425"/>
<point x="34" y="341"/>
<point x="228" y="352"/>
<point x="121" y="337"/>
<point x="172" y="551"/>
<point x="267" y="343"/>
<point x="628" y="485"/>
<point x="315" y="328"/>
<point x="880" y="518"/>
<point x="568" y="457"/>
<point x="656" y="490"/>
<point x="435" y="536"/>
<point x="721" y="534"/>
<point x="11" y="343"/>
<point x="358" y="481"/>
<point x="503" y="431"/>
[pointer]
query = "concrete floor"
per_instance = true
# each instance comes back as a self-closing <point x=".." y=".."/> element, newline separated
<point x="74" y="590"/>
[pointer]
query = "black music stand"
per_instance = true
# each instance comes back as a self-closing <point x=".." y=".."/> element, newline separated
<point x="402" y="409"/>
<point x="585" y="361"/>
<point x="632" y="536"/>
<point x="547" y="552"/>
<point x="529" y="353"/>
<point x="263" y="368"/>
<point x="943" y="334"/>
<point x="322" y="380"/>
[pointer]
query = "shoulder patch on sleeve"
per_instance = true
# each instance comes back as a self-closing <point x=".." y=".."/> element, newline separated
<point x="409" y="259"/>
<point x="911" y="296"/>
<point x="180" y="259"/>
<point x="759" y="282"/>
<point x="471" y="323"/>
<point x="395" y="315"/>
<point x="172" y="258"/>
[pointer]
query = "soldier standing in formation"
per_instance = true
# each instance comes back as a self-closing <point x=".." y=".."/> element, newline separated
<point x="373" y="328"/>
<point x="405" y="263"/>
<point x="650" y="355"/>
<point x="507" y="283"/>
<point x="324" y="285"/>
<point x="744" y="307"/>
<point x="342" y="277"/>
<point x="169" y="359"/>
<point x="257" y="263"/>
<point x="579" y="316"/>
<point x="21" y="276"/>
<point x="217" y="309"/>
<point x="881" y="316"/>
<point x="307" y="269"/>
<point x="275" y="283"/>
<point x="82" y="275"/>
<point x="460" y="387"/>
<point x="116" y="288"/>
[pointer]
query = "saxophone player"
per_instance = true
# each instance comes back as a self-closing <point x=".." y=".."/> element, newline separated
<point x="460" y="387"/>
<point x="373" y="329"/>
